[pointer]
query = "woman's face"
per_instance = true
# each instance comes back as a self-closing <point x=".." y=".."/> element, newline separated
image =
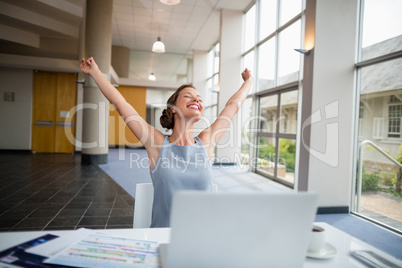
<point x="189" y="103"/>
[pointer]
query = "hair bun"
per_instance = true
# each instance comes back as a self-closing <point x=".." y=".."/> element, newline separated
<point x="166" y="118"/>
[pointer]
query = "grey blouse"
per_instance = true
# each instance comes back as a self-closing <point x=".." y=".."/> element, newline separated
<point x="178" y="168"/>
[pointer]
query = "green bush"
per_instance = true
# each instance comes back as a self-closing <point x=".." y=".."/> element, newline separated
<point x="287" y="153"/>
<point x="287" y="150"/>
<point x="389" y="180"/>
<point x="370" y="182"/>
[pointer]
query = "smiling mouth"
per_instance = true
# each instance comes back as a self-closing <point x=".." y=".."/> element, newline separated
<point x="193" y="106"/>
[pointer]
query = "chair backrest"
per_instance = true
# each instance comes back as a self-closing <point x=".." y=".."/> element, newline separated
<point x="144" y="198"/>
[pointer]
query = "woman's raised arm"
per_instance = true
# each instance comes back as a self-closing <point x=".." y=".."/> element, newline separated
<point x="141" y="129"/>
<point x="211" y="135"/>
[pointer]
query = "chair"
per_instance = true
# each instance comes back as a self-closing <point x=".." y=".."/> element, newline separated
<point x="144" y="197"/>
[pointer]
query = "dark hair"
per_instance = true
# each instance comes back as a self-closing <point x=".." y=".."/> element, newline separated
<point x="167" y="117"/>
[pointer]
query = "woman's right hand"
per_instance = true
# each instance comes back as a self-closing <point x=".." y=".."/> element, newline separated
<point x="246" y="74"/>
<point x="88" y="66"/>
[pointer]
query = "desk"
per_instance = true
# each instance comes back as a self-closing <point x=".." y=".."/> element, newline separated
<point x="342" y="241"/>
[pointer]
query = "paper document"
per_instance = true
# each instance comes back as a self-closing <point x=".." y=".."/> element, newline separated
<point x="108" y="251"/>
<point x="17" y="256"/>
<point x="51" y="248"/>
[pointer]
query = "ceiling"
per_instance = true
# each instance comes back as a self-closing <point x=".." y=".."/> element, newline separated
<point x="51" y="28"/>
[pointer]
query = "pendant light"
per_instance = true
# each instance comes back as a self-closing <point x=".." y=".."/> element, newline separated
<point x="170" y="2"/>
<point x="152" y="77"/>
<point x="158" y="46"/>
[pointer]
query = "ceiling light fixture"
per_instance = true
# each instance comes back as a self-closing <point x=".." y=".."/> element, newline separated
<point x="152" y="77"/>
<point x="158" y="46"/>
<point x="170" y="2"/>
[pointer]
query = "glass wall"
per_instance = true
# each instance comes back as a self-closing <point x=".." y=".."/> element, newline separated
<point x="247" y="134"/>
<point x="272" y="32"/>
<point x="277" y="136"/>
<point x="289" y="62"/>
<point x="211" y="98"/>
<point x="378" y="178"/>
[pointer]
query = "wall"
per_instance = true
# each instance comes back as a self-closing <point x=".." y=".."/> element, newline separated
<point x="121" y="60"/>
<point x="333" y="102"/>
<point x="157" y="100"/>
<point x="15" y="117"/>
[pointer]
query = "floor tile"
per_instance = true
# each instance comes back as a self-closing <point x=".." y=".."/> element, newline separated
<point x="120" y="220"/>
<point x="93" y="220"/>
<point x="33" y="222"/>
<point x="71" y="212"/>
<point x="44" y="212"/>
<point x="122" y="212"/>
<point x="96" y="211"/>
<point x="8" y="223"/>
<point x="70" y="221"/>
<point x="54" y="191"/>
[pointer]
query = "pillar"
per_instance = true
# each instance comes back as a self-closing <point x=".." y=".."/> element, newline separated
<point x="305" y="92"/>
<point x="332" y="140"/>
<point x="98" y="44"/>
<point x="228" y="149"/>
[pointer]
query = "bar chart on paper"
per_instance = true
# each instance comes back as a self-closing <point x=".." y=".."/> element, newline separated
<point x="104" y="251"/>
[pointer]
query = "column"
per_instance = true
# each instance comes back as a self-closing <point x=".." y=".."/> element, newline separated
<point x="98" y="44"/>
<point x="228" y="149"/>
<point x="333" y="103"/>
<point x="306" y="91"/>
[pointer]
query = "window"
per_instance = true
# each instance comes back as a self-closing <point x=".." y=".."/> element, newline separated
<point x="289" y="10"/>
<point x="277" y="136"/>
<point x="272" y="32"/>
<point x="249" y="33"/>
<point x="266" y="67"/>
<point x="247" y="121"/>
<point x="381" y="27"/>
<point x="268" y="18"/>
<point x="289" y="63"/>
<point x="361" y="116"/>
<point x="278" y="64"/>
<point x="394" y="117"/>
<point x="211" y="99"/>
<point x="379" y="71"/>
<point x="380" y="85"/>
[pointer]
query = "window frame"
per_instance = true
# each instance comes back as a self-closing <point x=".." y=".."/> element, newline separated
<point x="395" y="120"/>
<point x="276" y="89"/>
<point x="277" y="135"/>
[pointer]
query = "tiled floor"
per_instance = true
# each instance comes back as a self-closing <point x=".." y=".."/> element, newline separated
<point x="54" y="191"/>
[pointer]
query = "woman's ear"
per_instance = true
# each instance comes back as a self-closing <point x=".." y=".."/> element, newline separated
<point x="173" y="110"/>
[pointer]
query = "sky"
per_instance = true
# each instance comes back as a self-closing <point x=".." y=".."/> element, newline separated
<point x="382" y="21"/>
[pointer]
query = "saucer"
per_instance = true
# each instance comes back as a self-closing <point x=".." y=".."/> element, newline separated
<point x="327" y="252"/>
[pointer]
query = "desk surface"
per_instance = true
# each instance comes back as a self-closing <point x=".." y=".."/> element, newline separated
<point x="343" y="242"/>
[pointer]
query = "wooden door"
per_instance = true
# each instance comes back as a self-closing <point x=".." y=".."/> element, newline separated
<point x="119" y="133"/>
<point x="66" y="99"/>
<point x="44" y="111"/>
<point x="54" y="94"/>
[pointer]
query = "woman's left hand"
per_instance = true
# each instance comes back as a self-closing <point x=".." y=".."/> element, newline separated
<point x="246" y="74"/>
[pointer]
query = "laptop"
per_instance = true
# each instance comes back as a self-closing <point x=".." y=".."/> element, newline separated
<point x="239" y="229"/>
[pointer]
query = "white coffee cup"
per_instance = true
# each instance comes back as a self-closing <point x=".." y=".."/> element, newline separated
<point x="317" y="239"/>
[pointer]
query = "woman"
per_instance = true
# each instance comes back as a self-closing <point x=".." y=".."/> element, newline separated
<point x="181" y="161"/>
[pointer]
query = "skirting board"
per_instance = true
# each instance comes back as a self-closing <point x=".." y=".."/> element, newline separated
<point x="333" y="210"/>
